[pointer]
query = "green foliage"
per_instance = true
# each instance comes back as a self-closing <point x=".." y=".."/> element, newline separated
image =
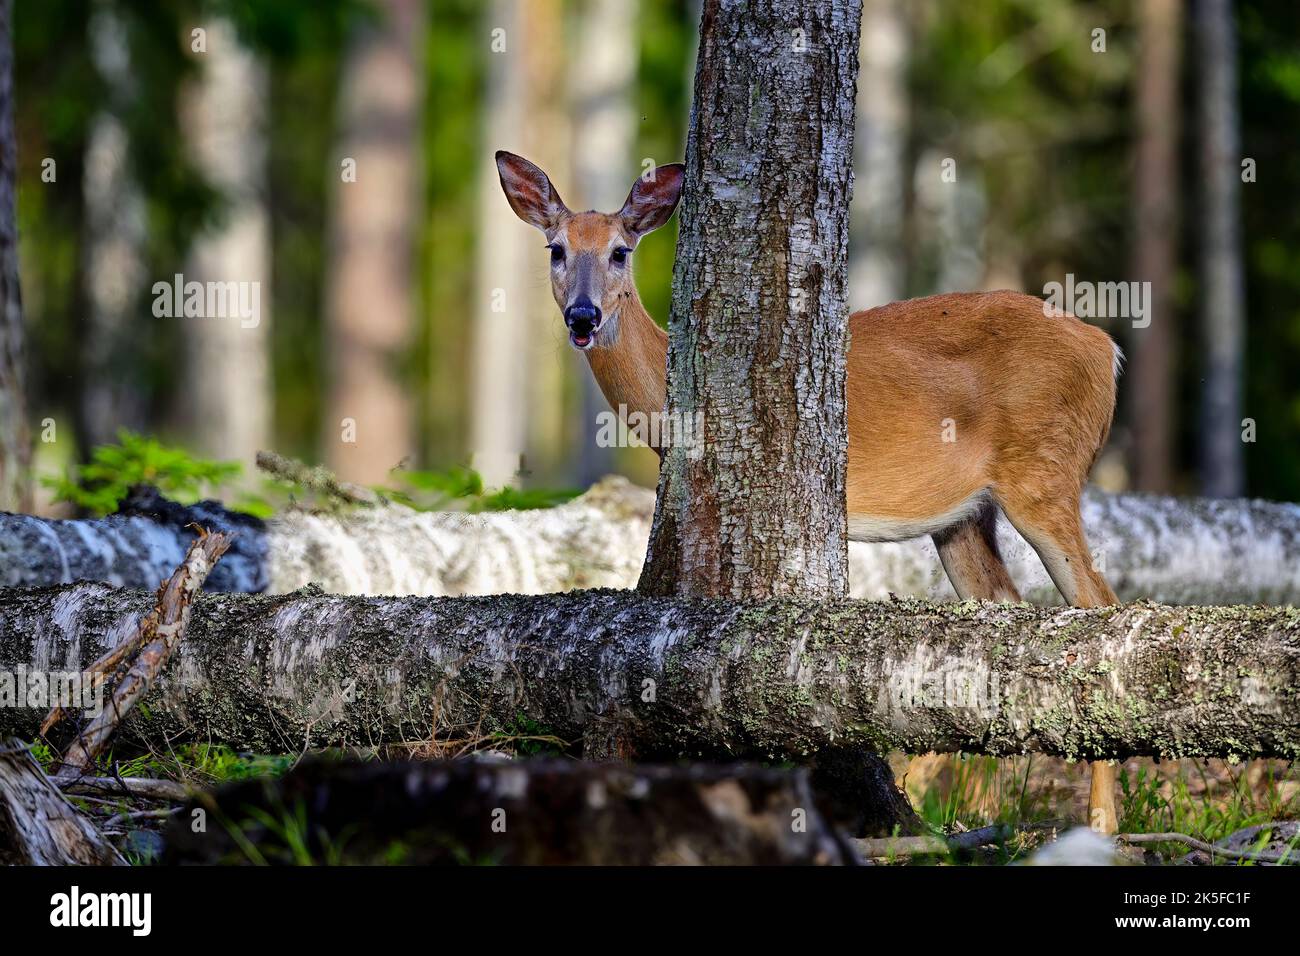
<point x="460" y="487"/>
<point x="208" y="763"/>
<point x="431" y="490"/>
<point x="99" y="485"/>
<point x="1269" y="59"/>
<point x="524" y="499"/>
<point x="43" y="754"/>
<point x="528" y="738"/>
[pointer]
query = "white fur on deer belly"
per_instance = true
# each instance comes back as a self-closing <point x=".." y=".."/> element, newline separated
<point x="874" y="528"/>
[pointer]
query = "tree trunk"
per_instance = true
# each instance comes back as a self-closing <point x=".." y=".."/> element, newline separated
<point x="1155" y="208"/>
<point x="501" y="336"/>
<point x="545" y="136"/>
<point x="114" y="234"/>
<point x="672" y="678"/>
<point x="15" y="441"/>
<point x="368" y="426"/>
<point x="1177" y="551"/>
<point x="877" y="264"/>
<point x="38" y="826"/>
<point x="1222" y="290"/>
<point x="602" y="77"/>
<point x="228" y="383"/>
<point x="759" y="322"/>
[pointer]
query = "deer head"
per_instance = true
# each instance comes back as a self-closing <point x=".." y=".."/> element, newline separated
<point x="591" y="252"/>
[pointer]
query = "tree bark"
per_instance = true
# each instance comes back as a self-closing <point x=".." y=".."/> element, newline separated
<point x="368" y="425"/>
<point x="759" y="322"/>
<point x="15" y="440"/>
<point x="1177" y="551"/>
<point x="1155" y="208"/>
<point x="1222" y="284"/>
<point x="672" y="678"/>
<point x="38" y="826"/>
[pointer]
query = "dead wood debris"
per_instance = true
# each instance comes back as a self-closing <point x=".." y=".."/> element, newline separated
<point x="318" y="478"/>
<point x="39" y="824"/>
<point x="137" y="661"/>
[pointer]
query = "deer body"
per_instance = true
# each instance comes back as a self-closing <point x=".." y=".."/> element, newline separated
<point x="957" y="404"/>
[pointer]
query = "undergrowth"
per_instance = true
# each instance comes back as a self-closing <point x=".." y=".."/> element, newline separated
<point x="96" y="487"/>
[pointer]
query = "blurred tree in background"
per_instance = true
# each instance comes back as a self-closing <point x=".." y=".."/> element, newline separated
<point x="1044" y="130"/>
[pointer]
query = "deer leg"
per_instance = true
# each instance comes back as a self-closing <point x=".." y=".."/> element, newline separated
<point x="969" y="554"/>
<point x="1054" y="528"/>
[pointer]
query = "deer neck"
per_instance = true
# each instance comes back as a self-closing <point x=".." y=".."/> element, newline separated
<point x="632" y="367"/>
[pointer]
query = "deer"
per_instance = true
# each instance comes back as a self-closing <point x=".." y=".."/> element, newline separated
<point x="1029" y="396"/>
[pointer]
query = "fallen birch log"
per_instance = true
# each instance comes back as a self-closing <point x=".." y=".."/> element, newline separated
<point x="1178" y="551"/>
<point x="668" y="679"/>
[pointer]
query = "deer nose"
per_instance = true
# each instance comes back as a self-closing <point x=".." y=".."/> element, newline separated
<point x="582" y="316"/>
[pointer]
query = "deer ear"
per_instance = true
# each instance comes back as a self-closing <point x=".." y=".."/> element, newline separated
<point x="652" y="200"/>
<point x="530" y="192"/>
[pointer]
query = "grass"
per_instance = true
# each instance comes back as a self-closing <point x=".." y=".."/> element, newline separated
<point x="199" y="764"/>
<point x="1206" y="799"/>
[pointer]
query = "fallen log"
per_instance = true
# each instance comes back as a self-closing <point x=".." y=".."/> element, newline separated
<point x="668" y="678"/>
<point x="38" y="826"/>
<point x="507" y="812"/>
<point x="1177" y="551"/>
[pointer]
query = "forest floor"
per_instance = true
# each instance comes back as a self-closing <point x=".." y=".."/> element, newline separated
<point x="1205" y="799"/>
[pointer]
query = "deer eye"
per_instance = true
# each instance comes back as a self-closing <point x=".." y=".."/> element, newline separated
<point x="619" y="255"/>
<point x="557" y="252"/>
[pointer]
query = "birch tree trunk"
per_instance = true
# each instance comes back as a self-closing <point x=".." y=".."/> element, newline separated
<point x="775" y="680"/>
<point x="602" y="74"/>
<point x="1150" y="373"/>
<point x="877" y="264"/>
<point x="1222" y="290"/>
<point x="545" y="136"/>
<point x="758" y="328"/>
<point x="500" y="334"/>
<point x="368" y="426"/>
<point x="228" y="383"/>
<point x="15" y="441"/>
<point x="1177" y="551"/>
